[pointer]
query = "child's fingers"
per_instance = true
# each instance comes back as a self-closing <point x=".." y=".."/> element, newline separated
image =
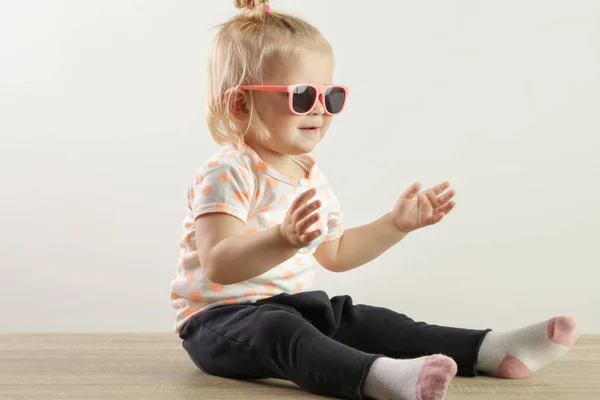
<point x="436" y="218"/>
<point x="307" y="238"/>
<point x="306" y="209"/>
<point x="440" y="188"/>
<point x="412" y="190"/>
<point x="442" y="199"/>
<point x="303" y="225"/>
<point x="447" y="208"/>
<point x="302" y="199"/>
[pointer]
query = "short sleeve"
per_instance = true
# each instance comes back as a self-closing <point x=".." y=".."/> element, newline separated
<point x="335" y="222"/>
<point x="224" y="187"/>
<point x="332" y="212"/>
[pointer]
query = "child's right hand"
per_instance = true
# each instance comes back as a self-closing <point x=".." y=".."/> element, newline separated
<point x="300" y="217"/>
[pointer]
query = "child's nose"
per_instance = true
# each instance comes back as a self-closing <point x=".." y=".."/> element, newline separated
<point x="319" y="107"/>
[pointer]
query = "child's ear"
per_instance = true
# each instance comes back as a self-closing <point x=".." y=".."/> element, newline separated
<point x="237" y="105"/>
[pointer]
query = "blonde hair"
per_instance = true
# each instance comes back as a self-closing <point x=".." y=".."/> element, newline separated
<point x="244" y="50"/>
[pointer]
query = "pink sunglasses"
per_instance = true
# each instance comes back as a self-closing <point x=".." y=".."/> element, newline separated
<point x="304" y="97"/>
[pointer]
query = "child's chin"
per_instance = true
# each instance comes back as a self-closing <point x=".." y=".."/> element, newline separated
<point x="303" y="148"/>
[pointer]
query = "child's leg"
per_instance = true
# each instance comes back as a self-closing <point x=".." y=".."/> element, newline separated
<point x="512" y="354"/>
<point x="383" y="331"/>
<point x="272" y="340"/>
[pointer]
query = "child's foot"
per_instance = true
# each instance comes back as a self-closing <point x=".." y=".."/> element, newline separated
<point x="518" y="353"/>
<point x="425" y="378"/>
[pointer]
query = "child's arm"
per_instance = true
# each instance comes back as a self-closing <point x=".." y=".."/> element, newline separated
<point x="360" y="245"/>
<point x="228" y="255"/>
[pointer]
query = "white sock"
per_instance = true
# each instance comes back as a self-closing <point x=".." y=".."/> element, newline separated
<point x="425" y="378"/>
<point x="518" y="353"/>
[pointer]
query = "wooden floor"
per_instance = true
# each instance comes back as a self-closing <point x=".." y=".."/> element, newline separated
<point x="155" y="366"/>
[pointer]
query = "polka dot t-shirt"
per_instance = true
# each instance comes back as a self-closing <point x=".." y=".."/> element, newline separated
<point x="237" y="182"/>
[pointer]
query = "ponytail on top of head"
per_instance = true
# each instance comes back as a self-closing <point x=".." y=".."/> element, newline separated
<point x="255" y="8"/>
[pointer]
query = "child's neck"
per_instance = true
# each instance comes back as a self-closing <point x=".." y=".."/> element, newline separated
<point x="281" y="162"/>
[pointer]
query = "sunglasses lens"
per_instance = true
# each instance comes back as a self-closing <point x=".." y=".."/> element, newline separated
<point x="304" y="98"/>
<point x="335" y="98"/>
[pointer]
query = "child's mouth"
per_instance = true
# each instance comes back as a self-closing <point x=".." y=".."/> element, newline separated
<point x="311" y="129"/>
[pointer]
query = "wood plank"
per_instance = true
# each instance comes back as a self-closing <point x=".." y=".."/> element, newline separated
<point x="155" y="366"/>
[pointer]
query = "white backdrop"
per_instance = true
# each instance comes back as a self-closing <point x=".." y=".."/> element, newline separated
<point x="102" y="124"/>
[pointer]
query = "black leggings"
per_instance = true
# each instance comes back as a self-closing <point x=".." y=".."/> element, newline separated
<point x="324" y="346"/>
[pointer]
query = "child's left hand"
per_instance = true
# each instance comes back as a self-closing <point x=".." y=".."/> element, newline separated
<point x="416" y="209"/>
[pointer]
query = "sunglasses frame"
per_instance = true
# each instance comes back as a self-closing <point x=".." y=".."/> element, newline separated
<point x="320" y="89"/>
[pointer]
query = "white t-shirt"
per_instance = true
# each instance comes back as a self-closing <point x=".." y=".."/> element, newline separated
<point x="237" y="182"/>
